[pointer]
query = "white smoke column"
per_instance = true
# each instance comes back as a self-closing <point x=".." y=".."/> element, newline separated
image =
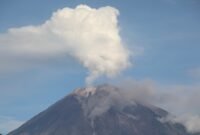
<point x="89" y="35"/>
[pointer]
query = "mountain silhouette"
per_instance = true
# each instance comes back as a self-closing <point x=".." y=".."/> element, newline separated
<point x="100" y="110"/>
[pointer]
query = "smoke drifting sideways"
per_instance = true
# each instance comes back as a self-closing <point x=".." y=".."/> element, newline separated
<point x="88" y="35"/>
<point x="181" y="101"/>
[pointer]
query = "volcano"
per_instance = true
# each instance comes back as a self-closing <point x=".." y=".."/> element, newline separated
<point x="101" y="110"/>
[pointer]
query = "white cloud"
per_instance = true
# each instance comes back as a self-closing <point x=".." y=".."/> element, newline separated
<point x="91" y="36"/>
<point x="8" y="124"/>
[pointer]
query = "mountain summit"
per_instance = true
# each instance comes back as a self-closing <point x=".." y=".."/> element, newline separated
<point x="101" y="110"/>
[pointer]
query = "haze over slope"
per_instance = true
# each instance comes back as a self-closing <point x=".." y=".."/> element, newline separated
<point x="101" y="110"/>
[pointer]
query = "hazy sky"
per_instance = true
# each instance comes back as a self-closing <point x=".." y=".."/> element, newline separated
<point x="164" y="36"/>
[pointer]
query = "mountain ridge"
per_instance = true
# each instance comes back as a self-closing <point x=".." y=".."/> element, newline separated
<point x="100" y="110"/>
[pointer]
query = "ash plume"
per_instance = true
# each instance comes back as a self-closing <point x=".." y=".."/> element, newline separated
<point x="88" y="35"/>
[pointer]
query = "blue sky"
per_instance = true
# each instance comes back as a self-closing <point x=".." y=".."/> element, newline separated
<point x="166" y="33"/>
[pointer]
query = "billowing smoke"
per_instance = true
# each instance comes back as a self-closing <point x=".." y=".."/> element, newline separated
<point x="97" y="100"/>
<point x="190" y="121"/>
<point x="89" y="35"/>
<point x="182" y="102"/>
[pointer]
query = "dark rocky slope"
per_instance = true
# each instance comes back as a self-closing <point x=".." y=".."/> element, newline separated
<point x="99" y="111"/>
